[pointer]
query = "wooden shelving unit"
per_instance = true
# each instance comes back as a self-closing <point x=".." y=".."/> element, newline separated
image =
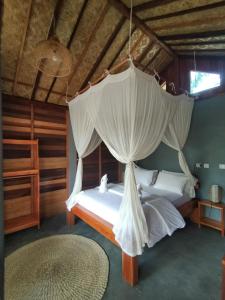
<point x="21" y="210"/>
<point x="202" y="220"/>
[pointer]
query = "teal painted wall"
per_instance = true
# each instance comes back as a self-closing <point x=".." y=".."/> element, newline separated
<point x="205" y="144"/>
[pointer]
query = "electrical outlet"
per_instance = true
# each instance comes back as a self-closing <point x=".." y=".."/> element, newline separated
<point x="198" y="165"/>
<point x="222" y="166"/>
<point x="206" y="165"/>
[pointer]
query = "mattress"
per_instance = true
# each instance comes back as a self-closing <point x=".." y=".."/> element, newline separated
<point x="106" y="205"/>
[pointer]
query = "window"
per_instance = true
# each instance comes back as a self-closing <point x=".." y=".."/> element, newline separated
<point x="201" y="81"/>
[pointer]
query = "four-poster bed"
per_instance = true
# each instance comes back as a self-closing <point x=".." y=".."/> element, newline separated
<point x="129" y="263"/>
<point x="131" y="114"/>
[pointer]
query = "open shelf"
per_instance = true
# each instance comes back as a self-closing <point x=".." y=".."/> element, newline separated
<point x="211" y="223"/>
<point x="205" y="221"/>
<point x="21" y="204"/>
<point x="18" y="173"/>
<point x="20" y="223"/>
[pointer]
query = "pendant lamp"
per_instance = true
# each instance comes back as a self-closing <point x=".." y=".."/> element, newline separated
<point x="52" y="58"/>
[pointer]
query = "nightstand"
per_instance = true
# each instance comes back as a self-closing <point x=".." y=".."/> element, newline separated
<point x="202" y="220"/>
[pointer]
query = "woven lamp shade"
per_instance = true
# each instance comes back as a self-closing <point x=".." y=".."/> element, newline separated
<point x="52" y="58"/>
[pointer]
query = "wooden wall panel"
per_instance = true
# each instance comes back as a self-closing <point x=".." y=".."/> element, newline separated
<point x="91" y="170"/>
<point x="97" y="164"/>
<point x="109" y="165"/>
<point x="23" y="119"/>
<point x="17" y="197"/>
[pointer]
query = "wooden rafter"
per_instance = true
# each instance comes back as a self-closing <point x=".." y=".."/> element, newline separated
<point x="200" y="47"/>
<point x="193" y="23"/>
<point x="194" y="43"/>
<point x="206" y="53"/>
<point x="77" y="23"/>
<point x="120" y="50"/>
<point x="187" y="11"/>
<point x="201" y="50"/>
<point x="103" y="52"/>
<point x="69" y="43"/>
<point x="152" y="59"/>
<point x="84" y="52"/>
<point x="19" y="61"/>
<point x="55" y="18"/>
<point x="124" y="10"/>
<point x="193" y="35"/>
<point x="152" y="4"/>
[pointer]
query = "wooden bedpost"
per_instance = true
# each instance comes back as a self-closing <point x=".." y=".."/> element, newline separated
<point x="70" y="218"/>
<point x="130" y="269"/>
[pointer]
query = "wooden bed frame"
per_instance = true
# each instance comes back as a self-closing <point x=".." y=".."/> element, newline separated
<point x="129" y="264"/>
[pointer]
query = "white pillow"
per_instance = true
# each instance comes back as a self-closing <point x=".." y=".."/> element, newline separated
<point x="188" y="188"/>
<point x="145" y="177"/>
<point x="171" y="182"/>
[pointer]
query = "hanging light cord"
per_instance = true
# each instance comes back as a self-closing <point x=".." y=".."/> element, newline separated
<point x="130" y="28"/>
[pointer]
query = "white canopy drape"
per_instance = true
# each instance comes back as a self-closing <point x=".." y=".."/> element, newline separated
<point x="177" y="133"/>
<point x="130" y="113"/>
<point x="86" y="141"/>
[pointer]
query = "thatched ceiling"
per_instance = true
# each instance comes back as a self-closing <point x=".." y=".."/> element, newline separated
<point x="96" y="32"/>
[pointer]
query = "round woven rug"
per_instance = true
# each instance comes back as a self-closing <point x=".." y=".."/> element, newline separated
<point x="58" y="267"/>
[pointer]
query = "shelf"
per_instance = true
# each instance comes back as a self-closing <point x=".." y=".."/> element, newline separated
<point x="211" y="204"/>
<point x="202" y="220"/>
<point x="18" y="168"/>
<point x="19" y="142"/>
<point x="211" y="223"/>
<point x="18" y="173"/>
<point x="20" y="223"/>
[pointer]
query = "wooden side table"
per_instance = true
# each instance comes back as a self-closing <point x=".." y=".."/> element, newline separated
<point x="202" y="220"/>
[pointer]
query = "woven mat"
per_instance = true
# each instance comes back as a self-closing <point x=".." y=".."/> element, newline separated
<point x="58" y="267"/>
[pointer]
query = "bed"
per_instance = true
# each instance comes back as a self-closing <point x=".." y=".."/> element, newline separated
<point x="100" y="210"/>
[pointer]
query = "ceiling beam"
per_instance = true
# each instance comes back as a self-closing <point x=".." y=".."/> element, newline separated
<point x="201" y="50"/>
<point x="85" y="50"/>
<point x="103" y="52"/>
<point x="152" y="4"/>
<point x="19" y="61"/>
<point x="69" y="43"/>
<point x="55" y="18"/>
<point x="192" y="35"/>
<point x="195" y="48"/>
<point x="180" y="23"/>
<point x="187" y="11"/>
<point x="125" y="11"/>
<point x="196" y="43"/>
<point x="157" y="52"/>
<point x="215" y="54"/>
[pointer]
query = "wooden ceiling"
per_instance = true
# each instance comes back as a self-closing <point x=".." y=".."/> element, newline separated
<point x="96" y="32"/>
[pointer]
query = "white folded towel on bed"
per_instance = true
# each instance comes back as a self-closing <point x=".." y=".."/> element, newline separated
<point x="103" y="185"/>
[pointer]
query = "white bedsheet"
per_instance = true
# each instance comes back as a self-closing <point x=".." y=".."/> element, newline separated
<point x="161" y="215"/>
